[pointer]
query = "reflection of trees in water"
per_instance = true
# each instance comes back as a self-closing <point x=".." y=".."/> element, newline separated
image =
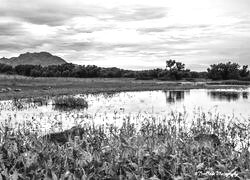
<point x="228" y="95"/>
<point x="245" y="95"/>
<point x="68" y="109"/>
<point x="174" y="96"/>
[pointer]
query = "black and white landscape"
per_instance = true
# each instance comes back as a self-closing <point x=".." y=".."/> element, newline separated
<point x="124" y="89"/>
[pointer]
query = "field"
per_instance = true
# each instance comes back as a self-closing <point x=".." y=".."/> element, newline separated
<point x="32" y="87"/>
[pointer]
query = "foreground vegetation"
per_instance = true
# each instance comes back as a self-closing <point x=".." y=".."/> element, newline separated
<point x="171" y="148"/>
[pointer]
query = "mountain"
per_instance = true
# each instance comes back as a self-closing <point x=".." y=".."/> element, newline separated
<point x="41" y="58"/>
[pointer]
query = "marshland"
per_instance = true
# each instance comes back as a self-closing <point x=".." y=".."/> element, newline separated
<point x="159" y="124"/>
<point x="187" y="134"/>
<point x="124" y="90"/>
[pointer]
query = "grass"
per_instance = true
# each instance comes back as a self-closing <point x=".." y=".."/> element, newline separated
<point x="166" y="149"/>
<point x="230" y="82"/>
<point x="70" y="102"/>
<point x="36" y="87"/>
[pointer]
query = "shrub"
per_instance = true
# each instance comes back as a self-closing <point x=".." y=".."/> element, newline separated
<point x="226" y="71"/>
<point x="70" y="102"/>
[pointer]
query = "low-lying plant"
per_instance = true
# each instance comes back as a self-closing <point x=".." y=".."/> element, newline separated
<point x="170" y="149"/>
<point x="70" y="102"/>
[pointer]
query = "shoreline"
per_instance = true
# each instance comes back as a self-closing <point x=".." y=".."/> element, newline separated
<point x="38" y="87"/>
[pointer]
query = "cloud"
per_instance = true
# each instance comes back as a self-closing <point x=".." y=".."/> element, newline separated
<point x="138" y="14"/>
<point x="56" y="14"/>
<point x="152" y="30"/>
<point x="117" y="32"/>
<point x="11" y="29"/>
<point x="19" y="45"/>
<point x="172" y="27"/>
<point x="46" y="12"/>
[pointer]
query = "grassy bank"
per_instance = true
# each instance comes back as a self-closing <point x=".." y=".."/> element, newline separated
<point x="21" y="86"/>
<point x="230" y="82"/>
<point x="165" y="150"/>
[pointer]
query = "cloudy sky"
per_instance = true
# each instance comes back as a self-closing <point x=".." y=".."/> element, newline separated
<point x="132" y="34"/>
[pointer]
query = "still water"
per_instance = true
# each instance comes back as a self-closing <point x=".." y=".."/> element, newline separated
<point x="112" y="108"/>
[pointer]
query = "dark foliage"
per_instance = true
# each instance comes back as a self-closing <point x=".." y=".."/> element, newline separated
<point x="66" y="70"/>
<point x="226" y="71"/>
<point x="174" y="71"/>
<point x="4" y="68"/>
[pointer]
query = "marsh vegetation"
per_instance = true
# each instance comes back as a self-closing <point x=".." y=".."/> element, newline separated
<point x="167" y="149"/>
<point x="127" y="136"/>
<point x="69" y="102"/>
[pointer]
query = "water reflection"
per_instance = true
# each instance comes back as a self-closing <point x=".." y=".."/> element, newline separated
<point x="65" y="108"/>
<point x="228" y="95"/>
<point x="107" y="108"/>
<point x="245" y="95"/>
<point x="175" y="96"/>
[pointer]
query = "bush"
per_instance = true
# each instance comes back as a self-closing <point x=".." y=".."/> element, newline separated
<point x="70" y="102"/>
<point x="227" y="71"/>
<point x="6" y="68"/>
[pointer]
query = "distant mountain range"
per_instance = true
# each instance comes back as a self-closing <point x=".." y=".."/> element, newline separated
<point x="41" y="58"/>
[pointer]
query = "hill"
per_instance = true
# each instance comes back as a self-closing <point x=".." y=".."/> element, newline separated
<point x="41" y="58"/>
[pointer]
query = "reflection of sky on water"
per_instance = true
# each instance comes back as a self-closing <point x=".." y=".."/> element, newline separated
<point x="111" y="108"/>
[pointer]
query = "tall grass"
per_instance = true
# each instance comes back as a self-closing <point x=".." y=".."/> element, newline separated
<point x="155" y="150"/>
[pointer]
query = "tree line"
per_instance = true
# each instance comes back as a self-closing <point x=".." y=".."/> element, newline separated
<point x="174" y="70"/>
<point x="66" y="70"/>
<point x="229" y="70"/>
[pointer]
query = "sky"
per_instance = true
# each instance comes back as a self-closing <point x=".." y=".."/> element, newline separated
<point x="130" y="34"/>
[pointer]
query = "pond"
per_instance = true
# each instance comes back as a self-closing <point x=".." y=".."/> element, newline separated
<point x="113" y="107"/>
